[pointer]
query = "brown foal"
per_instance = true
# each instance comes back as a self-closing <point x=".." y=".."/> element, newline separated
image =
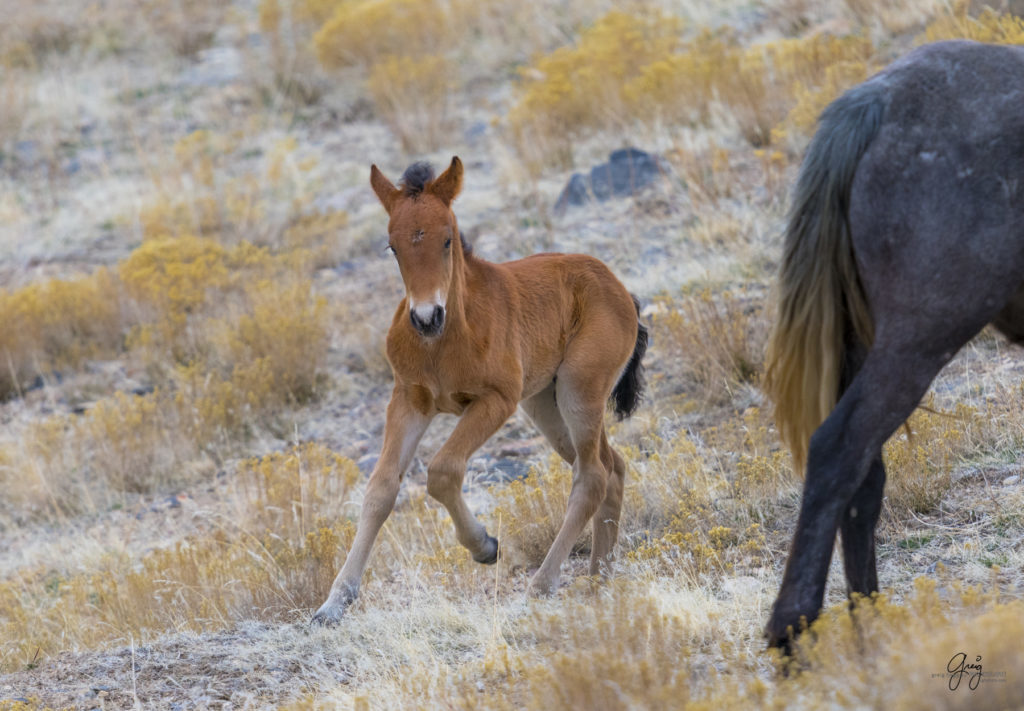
<point x="556" y="333"/>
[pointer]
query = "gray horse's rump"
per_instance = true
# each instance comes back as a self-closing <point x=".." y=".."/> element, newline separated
<point x="906" y="237"/>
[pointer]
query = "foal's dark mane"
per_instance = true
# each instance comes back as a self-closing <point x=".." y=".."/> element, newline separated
<point x="416" y="177"/>
<point x="414" y="182"/>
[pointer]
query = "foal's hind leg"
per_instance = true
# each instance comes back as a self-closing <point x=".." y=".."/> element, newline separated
<point x="543" y="411"/>
<point x="606" y="520"/>
<point x="583" y="410"/>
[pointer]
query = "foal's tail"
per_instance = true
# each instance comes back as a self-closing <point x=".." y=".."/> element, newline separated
<point x="626" y="393"/>
<point x="820" y="297"/>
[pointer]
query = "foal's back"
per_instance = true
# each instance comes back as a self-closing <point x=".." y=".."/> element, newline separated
<point x="576" y="286"/>
<point x="558" y="297"/>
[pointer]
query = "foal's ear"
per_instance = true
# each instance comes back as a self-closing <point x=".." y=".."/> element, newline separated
<point x="447" y="185"/>
<point x="387" y="193"/>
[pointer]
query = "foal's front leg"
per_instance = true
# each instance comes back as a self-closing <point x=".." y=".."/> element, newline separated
<point x="481" y="419"/>
<point x="402" y="432"/>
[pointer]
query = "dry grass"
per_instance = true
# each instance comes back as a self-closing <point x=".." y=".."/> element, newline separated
<point x="411" y="96"/>
<point x="15" y="106"/>
<point x="186" y="26"/>
<point x="230" y="338"/>
<point x="38" y="33"/>
<point x="630" y="71"/>
<point x="57" y="324"/>
<point x="639" y="645"/>
<point x="716" y="340"/>
<point x="193" y="363"/>
<point x="989" y="26"/>
<point x="268" y="560"/>
<point x="197" y="189"/>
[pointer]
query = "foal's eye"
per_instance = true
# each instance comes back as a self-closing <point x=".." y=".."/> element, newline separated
<point x="448" y="243"/>
<point x="389" y="250"/>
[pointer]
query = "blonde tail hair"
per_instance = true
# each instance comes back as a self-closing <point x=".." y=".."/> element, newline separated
<point x="820" y="297"/>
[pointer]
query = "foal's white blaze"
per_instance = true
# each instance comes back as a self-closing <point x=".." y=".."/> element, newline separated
<point x="425" y="309"/>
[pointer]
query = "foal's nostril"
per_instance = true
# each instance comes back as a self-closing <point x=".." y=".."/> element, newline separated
<point x="437" y="320"/>
<point x="417" y="322"/>
<point x="427" y="327"/>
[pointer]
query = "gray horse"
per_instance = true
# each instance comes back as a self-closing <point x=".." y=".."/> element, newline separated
<point x="906" y="237"/>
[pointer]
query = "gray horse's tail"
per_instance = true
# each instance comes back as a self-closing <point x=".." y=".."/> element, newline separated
<point x="820" y="295"/>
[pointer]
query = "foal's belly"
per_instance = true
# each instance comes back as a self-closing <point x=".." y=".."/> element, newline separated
<point x="538" y="382"/>
<point x="453" y="403"/>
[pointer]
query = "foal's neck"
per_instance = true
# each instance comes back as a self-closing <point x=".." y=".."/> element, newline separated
<point x="466" y="268"/>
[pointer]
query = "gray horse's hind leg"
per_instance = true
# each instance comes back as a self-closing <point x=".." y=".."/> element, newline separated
<point x="1010" y="321"/>
<point x="857" y="526"/>
<point x="857" y="531"/>
<point x="840" y="460"/>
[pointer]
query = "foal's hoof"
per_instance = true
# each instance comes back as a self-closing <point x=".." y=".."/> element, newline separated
<point x="328" y="615"/>
<point x="490" y="553"/>
<point x="331" y="612"/>
<point x="542" y="587"/>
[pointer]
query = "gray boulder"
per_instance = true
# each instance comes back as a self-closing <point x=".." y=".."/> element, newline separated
<point x="627" y="171"/>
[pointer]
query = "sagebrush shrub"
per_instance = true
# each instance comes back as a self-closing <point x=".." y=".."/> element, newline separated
<point x="990" y="26"/>
<point x="411" y="96"/>
<point x="531" y="511"/>
<point x="920" y="458"/>
<point x="631" y="71"/>
<point x="56" y="324"/>
<point x="364" y="32"/>
<point x="717" y="340"/>
<point x="578" y="89"/>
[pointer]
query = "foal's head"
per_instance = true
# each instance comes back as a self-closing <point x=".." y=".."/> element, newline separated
<point x="424" y="237"/>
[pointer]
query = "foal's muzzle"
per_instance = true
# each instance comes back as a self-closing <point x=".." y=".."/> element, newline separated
<point x="428" y="326"/>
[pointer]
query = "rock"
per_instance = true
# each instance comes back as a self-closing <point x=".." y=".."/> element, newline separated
<point x="27" y="152"/>
<point x="627" y="171"/>
<point x="100" y="690"/>
<point x="502" y="471"/>
<point x="476" y="131"/>
<point x="216" y="66"/>
<point x="576" y="192"/>
<point x="1011" y="480"/>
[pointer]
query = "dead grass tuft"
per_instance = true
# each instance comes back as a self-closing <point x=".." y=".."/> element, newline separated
<point x="57" y="324"/>
<point x="716" y="339"/>
<point x="272" y="560"/>
<point x="989" y="26"/>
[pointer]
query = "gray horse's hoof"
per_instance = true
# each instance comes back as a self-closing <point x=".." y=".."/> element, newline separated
<point x="490" y="554"/>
